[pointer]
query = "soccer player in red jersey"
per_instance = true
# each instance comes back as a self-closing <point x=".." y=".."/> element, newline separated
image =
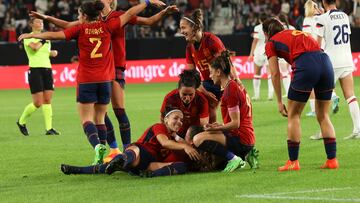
<point x="190" y="101"/>
<point x="202" y="48"/>
<point x="148" y="153"/>
<point x="235" y="139"/>
<point x="312" y="69"/>
<point x="118" y="85"/>
<point x="96" y="66"/>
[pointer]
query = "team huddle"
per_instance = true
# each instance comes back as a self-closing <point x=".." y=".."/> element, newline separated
<point x="189" y="136"/>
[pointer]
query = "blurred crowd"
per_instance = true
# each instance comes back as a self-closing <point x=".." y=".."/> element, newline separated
<point x="220" y="16"/>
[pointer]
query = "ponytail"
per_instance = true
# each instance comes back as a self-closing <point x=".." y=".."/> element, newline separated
<point x="223" y="62"/>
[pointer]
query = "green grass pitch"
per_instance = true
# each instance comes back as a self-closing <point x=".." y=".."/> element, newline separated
<point x="30" y="170"/>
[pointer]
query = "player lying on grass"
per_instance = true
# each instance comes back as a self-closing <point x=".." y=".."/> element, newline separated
<point x="234" y="139"/>
<point x="96" y="66"/>
<point x="148" y="153"/>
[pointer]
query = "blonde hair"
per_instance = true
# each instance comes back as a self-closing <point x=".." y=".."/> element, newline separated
<point x="113" y="4"/>
<point x="310" y="8"/>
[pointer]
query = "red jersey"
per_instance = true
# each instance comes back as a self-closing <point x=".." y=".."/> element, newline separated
<point x="193" y="112"/>
<point x="210" y="47"/>
<point x="118" y="38"/>
<point x="289" y="44"/>
<point x="149" y="141"/>
<point x="96" y="60"/>
<point x="234" y="96"/>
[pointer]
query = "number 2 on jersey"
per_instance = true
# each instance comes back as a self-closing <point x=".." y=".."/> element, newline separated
<point x="96" y="48"/>
<point x="342" y="35"/>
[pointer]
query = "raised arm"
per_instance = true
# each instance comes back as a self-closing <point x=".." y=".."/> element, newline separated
<point x="44" y="35"/>
<point x="58" y="22"/>
<point x="133" y="11"/>
<point x="157" y="17"/>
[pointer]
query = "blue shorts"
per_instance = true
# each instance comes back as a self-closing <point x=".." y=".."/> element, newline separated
<point x="312" y="70"/>
<point x="234" y="145"/>
<point x="99" y="93"/>
<point x="211" y="87"/>
<point x="145" y="158"/>
<point x="120" y="76"/>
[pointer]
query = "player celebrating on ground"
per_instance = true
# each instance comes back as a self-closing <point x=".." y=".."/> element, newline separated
<point x="190" y="101"/>
<point x="257" y="54"/>
<point x="334" y="27"/>
<point x="118" y="86"/>
<point x="234" y="139"/>
<point x="301" y="51"/>
<point x="148" y="152"/>
<point x="40" y="79"/>
<point x="96" y="66"/>
<point x="201" y="49"/>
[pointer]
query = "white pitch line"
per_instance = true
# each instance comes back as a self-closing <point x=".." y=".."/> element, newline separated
<point x="311" y="191"/>
<point x="298" y="198"/>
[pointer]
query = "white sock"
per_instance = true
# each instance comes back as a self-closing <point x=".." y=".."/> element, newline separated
<point x="286" y="83"/>
<point x="354" y="112"/>
<point x="234" y="158"/>
<point x="256" y="84"/>
<point x="312" y="105"/>
<point x="270" y="88"/>
<point x="333" y="94"/>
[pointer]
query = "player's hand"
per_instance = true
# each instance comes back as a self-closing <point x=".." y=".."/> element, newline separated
<point x="250" y="59"/>
<point x="53" y="53"/>
<point x="34" y="14"/>
<point x="192" y="153"/>
<point x="171" y="9"/>
<point x="212" y="127"/>
<point x="157" y="3"/>
<point x="282" y="109"/>
<point x="24" y="36"/>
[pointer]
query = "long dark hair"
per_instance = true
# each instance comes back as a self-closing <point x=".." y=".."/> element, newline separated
<point x="92" y="9"/>
<point x="223" y="62"/>
<point x="189" y="78"/>
<point x="272" y="26"/>
<point x="284" y="19"/>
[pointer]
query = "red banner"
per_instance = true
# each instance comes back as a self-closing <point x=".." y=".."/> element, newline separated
<point x="139" y="71"/>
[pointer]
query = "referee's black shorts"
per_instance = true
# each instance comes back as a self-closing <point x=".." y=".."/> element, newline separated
<point x="40" y="79"/>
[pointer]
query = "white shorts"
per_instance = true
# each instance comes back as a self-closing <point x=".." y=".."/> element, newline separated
<point x="284" y="66"/>
<point x="340" y="73"/>
<point x="260" y="60"/>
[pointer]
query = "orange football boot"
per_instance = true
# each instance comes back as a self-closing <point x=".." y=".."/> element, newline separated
<point x="330" y="164"/>
<point x="112" y="154"/>
<point x="290" y="166"/>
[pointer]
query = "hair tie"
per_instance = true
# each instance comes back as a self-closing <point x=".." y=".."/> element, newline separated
<point x="172" y="111"/>
<point x="188" y="19"/>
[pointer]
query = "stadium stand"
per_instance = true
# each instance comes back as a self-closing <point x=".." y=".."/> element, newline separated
<point x="220" y="16"/>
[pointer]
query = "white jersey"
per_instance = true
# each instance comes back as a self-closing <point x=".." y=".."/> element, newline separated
<point x="334" y="27"/>
<point x="309" y="26"/>
<point x="260" y="45"/>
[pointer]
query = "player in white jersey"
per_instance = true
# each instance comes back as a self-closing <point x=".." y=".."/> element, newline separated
<point x="257" y="54"/>
<point x="334" y="27"/>
<point x="284" y="66"/>
<point x="309" y="26"/>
